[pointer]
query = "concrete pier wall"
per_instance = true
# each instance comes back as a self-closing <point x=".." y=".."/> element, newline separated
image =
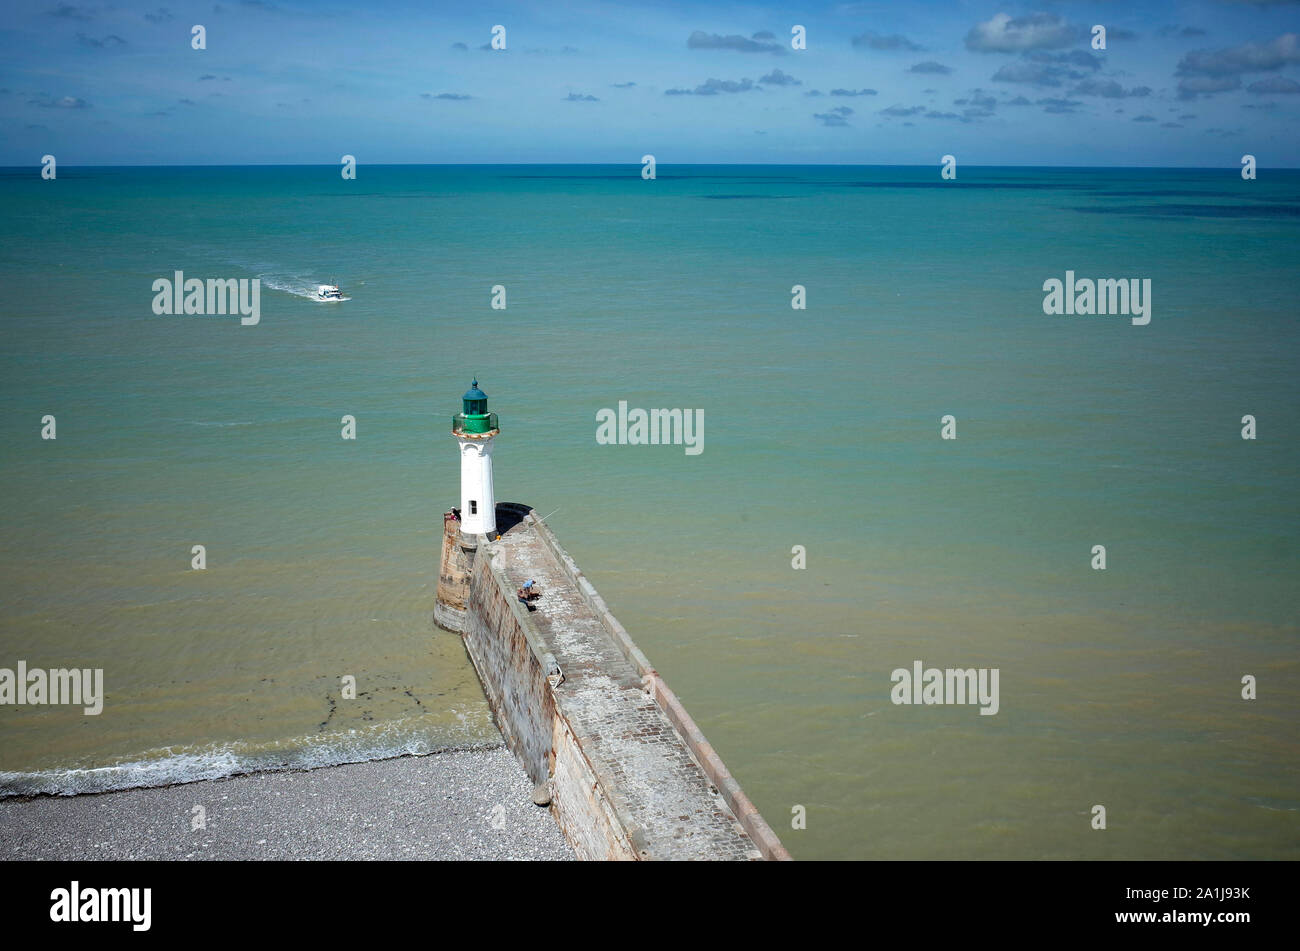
<point x="510" y="663"/>
<point x="629" y="773"/>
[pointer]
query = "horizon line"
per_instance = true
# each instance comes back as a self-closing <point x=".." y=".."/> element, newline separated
<point x="637" y="165"/>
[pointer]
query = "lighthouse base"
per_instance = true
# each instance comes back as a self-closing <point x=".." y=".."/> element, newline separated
<point x="454" y="569"/>
<point x="456" y="564"/>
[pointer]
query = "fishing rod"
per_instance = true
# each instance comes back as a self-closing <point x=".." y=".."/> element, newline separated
<point x="545" y="517"/>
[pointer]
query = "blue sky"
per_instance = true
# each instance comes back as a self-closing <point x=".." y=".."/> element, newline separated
<point x="1179" y="84"/>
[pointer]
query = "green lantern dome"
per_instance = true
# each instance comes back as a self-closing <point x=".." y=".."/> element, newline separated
<point x="475" y="400"/>
<point x="475" y="420"/>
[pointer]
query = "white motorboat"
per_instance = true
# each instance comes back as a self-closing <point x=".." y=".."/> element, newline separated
<point x="328" y="292"/>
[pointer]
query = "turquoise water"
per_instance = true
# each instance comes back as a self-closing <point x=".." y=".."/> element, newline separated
<point x="1118" y="687"/>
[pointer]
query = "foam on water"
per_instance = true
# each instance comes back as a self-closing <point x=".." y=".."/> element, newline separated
<point x="172" y="765"/>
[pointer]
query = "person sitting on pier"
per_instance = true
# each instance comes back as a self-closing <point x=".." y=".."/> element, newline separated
<point x="530" y="591"/>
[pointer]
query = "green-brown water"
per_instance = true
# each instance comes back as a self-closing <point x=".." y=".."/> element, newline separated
<point x="1119" y="688"/>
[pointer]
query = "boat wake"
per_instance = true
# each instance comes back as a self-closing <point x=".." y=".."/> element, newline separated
<point x="298" y="287"/>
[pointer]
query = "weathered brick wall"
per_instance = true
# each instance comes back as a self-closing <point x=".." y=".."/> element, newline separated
<point x="584" y="812"/>
<point x="511" y="671"/>
<point x="510" y="667"/>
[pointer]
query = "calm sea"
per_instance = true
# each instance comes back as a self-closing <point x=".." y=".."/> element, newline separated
<point x="1119" y="688"/>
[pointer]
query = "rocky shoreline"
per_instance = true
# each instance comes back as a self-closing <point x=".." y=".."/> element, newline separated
<point x="462" y="805"/>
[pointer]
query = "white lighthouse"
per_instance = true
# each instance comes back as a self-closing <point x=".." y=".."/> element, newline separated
<point x="475" y="429"/>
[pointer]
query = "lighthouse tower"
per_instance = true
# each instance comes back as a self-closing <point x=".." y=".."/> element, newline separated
<point x="475" y="429"/>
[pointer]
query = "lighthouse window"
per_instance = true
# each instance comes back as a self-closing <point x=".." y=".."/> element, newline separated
<point x="473" y="507"/>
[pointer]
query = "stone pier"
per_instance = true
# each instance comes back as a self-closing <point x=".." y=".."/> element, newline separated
<point x="628" y="773"/>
